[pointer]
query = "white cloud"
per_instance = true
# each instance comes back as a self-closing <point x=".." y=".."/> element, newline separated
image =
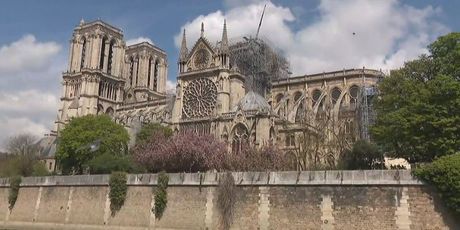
<point x="138" y="40"/>
<point x="27" y="54"/>
<point x="29" y="86"/>
<point x="12" y="126"/>
<point x="28" y="101"/>
<point x="236" y="3"/>
<point x="170" y="86"/>
<point x="386" y="33"/>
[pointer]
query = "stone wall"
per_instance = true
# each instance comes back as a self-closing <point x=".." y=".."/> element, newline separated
<point x="342" y="200"/>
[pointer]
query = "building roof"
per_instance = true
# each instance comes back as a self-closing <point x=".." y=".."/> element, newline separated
<point x="252" y="101"/>
<point x="47" y="147"/>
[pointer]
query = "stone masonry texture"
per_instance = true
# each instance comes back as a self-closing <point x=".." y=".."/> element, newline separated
<point x="278" y="201"/>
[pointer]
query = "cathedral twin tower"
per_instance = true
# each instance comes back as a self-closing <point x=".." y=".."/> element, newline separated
<point x="104" y="73"/>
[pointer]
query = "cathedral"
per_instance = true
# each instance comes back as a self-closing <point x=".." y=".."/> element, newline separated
<point x="238" y="91"/>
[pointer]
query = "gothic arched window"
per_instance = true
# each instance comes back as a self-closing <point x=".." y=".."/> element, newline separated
<point x="155" y="76"/>
<point x="109" y="111"/>
<point x="315" y="96"/>
<point x="101" y="83"/>
<point x="300" y="113"/>
<point x="131" y="71"/>
<point x="297" y="96"/>
<point x="149" y="75"/>
<point x="272" y="134"/>
<point x="137" y="71"/>
<point x="240" y="138"/>
<point x="101" y="59"/>
<point x="354" y="91"/>
<point x="110" y="57"/>
<point x="83" y="54"/>
<point x="335" y="95"/>
<point x="100" y="109"/>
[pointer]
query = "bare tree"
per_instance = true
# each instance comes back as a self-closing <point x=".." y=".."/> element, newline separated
<point x="22" y="156"/>
<point x="320" y="140"/>
<point x="22" y="144"/>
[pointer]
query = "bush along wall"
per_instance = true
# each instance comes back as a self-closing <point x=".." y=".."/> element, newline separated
<point x="226" y="199"/>
<point x="444" y="174"/>
<point x="13" y="192"/>
<point x="161" y="195"/>
<point x="118" y="190"/>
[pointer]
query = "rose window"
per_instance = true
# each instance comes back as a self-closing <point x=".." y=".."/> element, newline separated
<point x="200" y="98"/>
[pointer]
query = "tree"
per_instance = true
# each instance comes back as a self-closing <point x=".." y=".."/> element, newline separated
<point x="418" y="109"/>
<point x="107" y="163"/>
<point x="254" y="158"/>
<point x="87" y="137"/>
<point x="321" y="140"/>
<point x="363" y="155"/>
<point x="148" y="130"/>
<point x="22" y="144"/>
<point x="191" y="152"/>
<point x="183" y="152"/>
<point x="23" y="158"/>
<point x="444" y="174"/>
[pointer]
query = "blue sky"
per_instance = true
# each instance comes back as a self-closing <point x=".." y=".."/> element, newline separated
<point x="315" y="36"/>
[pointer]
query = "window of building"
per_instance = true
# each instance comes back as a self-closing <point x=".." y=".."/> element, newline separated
<point x="335" y="95"/>
<point x="83" y="54"/>
<point x="149" y="75"/>
<point x="101" y="58"/>
<point x="110" y="57"/>
<point x="155" y="76"/>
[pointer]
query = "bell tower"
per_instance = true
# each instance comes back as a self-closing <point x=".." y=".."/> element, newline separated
<point x="93" y="81"/>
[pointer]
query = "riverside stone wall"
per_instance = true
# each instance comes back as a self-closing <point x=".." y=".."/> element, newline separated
<point x="390" y="199"/>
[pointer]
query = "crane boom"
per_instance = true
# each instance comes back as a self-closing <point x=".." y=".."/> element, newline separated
<point x="260" y="23"/>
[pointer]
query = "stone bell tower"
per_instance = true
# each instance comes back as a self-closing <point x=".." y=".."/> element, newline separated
<point x="93" y="81"/>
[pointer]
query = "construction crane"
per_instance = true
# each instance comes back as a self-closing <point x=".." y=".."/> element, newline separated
<point x="258" y="61"/>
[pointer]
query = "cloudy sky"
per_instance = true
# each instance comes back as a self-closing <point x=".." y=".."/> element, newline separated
<point x="315" y="35"/>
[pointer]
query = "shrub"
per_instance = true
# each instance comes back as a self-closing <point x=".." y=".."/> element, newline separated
<point x="183" y="152"/>
<point x="108" y="163"/>
<point x="161" y="195"/>
<point x="148" y="130"/>
<point x="252" y="158"/>
<point x="191" y="152"/>
<point x="15" y="181"/>
<point x="363" y="155"/>
<point x="444" y="174"/>
<point x="39" y="169"/>
<point x="118" y="190"/>
<point x="226" y="199"/>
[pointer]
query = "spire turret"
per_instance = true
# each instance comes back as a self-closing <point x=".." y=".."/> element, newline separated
<point x="224" y="42"/>
<point x="183" y="48"/>
<point x="202" y="29"/>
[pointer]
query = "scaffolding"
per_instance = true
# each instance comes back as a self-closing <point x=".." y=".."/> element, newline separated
<point x="259" y="62"/>
<point x="366" y="112"/>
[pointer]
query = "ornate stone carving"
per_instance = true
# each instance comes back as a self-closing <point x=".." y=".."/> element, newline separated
<point x="201" y="58"/>
<point x="200" y="97"/>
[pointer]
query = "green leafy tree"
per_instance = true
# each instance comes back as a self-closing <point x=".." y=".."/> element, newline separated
<point x="148" y="130"/>
<point x="107" y="163"/>
<point x="363" y="155"/>
<point x="418" y="109"/>
<point x="87" y="137"/>
<point x="444" y="174"/>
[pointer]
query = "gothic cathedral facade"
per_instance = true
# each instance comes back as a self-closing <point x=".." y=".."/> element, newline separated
<point x="213" y="94"/>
